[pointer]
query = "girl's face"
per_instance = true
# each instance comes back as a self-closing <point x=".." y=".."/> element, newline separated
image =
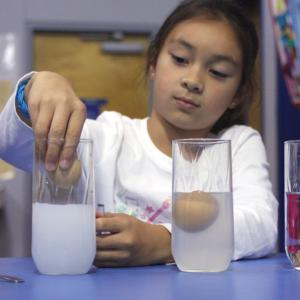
<point x="197" y="74"/>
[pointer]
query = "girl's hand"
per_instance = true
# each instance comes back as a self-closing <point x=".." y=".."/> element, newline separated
<point x="55" y="112"/>
<point x="131" y="242"/>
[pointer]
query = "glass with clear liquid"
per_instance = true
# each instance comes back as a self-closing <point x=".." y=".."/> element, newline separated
<point x="292" y="201"/>
<point x="202" y="208"/>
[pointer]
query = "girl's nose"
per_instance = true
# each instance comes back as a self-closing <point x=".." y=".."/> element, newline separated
<point x="192" y="85"/>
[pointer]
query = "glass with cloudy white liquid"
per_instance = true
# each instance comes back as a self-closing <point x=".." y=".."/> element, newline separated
<point x="63" y="212"/>
<point x="202" y="208"/>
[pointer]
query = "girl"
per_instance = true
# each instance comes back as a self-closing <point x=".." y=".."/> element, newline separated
<point x="201" y="65"/>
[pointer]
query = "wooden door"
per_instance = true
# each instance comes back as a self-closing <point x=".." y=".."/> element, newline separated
<point x="119" y="78"/>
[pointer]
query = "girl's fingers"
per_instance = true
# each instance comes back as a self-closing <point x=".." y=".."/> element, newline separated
<point x="55" y="137"/>
<point x="109" y="242"/>
<point x="99" y="214"/>
<point x="41" y="127"/>
<point x="109" y="264"/>
<point x="34" y="114"/>
<point x="112" y="257"/>
<point x="72" y="136"/>
<point x="42" y="123"/>
<point x="109" y="223"/>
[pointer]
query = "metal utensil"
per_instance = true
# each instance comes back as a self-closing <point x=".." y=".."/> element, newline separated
<point x="10" y="278"/>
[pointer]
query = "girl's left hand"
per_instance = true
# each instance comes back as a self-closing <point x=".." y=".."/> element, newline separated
<point x="130" y="242"/>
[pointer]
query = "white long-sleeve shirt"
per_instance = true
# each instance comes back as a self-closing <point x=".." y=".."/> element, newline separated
<point x="133" y="176"/>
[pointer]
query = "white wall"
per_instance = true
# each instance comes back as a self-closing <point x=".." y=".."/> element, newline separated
<point x="119" y="11"/>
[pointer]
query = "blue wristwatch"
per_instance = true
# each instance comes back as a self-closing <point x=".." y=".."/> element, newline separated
<point x="20" y="99"/>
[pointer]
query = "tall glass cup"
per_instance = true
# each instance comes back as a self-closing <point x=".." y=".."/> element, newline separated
<point x="63" y="212"/>
<point x="292" y="201"/>
<point x="202" y="208"/>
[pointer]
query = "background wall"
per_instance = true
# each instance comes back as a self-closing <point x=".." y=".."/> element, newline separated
<point x="269" y="92"/>
<point x="113" y="11"/>
<point x="15" y="217"/>
<point x="20" y="16"/>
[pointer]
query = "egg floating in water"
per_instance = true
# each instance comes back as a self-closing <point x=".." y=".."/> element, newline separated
<point x="194" y="211"/>
<point x="67" y="178"/>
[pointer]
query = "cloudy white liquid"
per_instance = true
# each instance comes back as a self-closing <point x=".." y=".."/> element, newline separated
<point x="63" y="238"/>
<point x="210" y="249"/>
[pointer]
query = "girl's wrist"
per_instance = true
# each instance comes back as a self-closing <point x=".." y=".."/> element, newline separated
<point x="21" y="103"/>
<point x="20" y="100"/>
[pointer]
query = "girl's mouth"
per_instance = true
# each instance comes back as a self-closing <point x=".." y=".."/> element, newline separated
<point x="186" y="103"/>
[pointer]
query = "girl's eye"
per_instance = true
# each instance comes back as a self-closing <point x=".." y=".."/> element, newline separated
<point x="219" y="74"/>
<point x="179" y="60"/>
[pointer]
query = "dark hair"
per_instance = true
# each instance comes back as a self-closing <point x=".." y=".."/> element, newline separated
<point x="246" y="33"/>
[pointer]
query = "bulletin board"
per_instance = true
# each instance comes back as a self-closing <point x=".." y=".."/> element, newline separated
<point x="286" y="22"/>
<point x="286" y="17"/>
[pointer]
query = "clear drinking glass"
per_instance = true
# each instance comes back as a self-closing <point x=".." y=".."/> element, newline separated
<point x="202" y="208"/>
<point x="292" y="201"/>
<point x="63" y="212"/>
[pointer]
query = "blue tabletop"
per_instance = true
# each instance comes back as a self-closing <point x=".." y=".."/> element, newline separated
<point x="267" y="278"/>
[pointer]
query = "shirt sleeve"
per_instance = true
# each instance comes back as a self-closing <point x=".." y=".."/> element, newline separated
<point x="255" y="207"/>
<point x="16" y="138"/>
<point x="168" y="226"/>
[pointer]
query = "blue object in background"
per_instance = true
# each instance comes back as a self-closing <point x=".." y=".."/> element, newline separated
<point x="94" y="107"/>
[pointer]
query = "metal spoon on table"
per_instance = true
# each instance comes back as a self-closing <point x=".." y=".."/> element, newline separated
<point x="10" y="278"/>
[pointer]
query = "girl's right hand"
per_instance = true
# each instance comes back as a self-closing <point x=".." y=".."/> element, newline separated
<point x="55" y="113"/>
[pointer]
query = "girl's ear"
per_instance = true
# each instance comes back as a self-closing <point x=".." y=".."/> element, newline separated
<point x="237" y="98"/>
<point x="151" y="73"/>
<point x="234" y="103"/>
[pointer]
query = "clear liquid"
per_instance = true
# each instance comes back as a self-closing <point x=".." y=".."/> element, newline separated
<point x="292" y="228"/>
<point x="63" y="238"/>
<point x="209" y="249"/>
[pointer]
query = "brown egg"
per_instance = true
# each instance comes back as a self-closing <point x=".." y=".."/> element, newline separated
<point x="194" y="211"/>
<point x="67" y="178"/>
